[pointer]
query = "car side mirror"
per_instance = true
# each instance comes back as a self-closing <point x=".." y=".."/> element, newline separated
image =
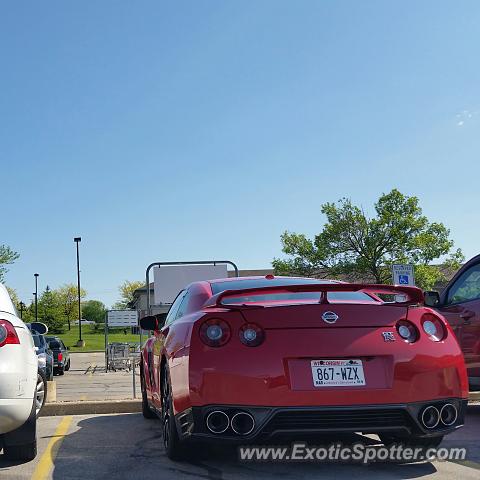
<point x="432" y="298"/>
<point x="149" y="322"/>
<point x="39" y="327"/>
<point x="161" y="318"/>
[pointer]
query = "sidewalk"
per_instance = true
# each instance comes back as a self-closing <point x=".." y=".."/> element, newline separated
<point x="87" y="380"/>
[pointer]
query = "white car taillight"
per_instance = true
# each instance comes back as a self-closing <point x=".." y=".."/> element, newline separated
<point x="42" y="360"/>
<point x="8" y="335"/>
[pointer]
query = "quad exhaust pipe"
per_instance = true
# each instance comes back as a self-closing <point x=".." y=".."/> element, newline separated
<point x="242" y="423"/>
<point x="431" y="416"/>
<point x="217" y="421"/>
<point x="448" y="414"/>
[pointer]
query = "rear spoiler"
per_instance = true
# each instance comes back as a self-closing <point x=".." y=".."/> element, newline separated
<point x="414" y="295"/>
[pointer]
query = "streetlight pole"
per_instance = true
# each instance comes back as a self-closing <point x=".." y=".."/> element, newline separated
<point x="36" y="296"/>
<point x="80" y="342"/>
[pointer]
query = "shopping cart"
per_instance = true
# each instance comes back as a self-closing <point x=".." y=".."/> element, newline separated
<point x="119" y="357"/>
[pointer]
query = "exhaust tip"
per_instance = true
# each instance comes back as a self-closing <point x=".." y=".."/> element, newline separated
<point x="448" y="414"/>
<point x="430" y="417"/>
<point x="242" y="423"/>
<point x="217" y="421"/>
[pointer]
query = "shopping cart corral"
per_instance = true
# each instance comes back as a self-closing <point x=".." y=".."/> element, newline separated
<point x="122" y="356"/>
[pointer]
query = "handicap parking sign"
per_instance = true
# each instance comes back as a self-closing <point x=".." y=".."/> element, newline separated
<point x="403" y="275"/>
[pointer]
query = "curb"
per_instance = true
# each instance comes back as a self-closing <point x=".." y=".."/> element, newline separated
<point x="85" y="351"/>
<point x="474" y="397"/>
<point x="91" y="407"/>
<point x="122" y="406"/>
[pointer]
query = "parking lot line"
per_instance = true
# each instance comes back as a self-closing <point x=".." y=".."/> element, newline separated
<point x="46" y="462"/>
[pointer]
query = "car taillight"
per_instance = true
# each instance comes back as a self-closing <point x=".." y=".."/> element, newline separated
<point x="60" y="356"/>
<point x="215" y="332"/>
<point x="433" y="327"/>
<point x="407" y="330"/>
<point x="251" y="335"/>
<point x="8" y="335"/>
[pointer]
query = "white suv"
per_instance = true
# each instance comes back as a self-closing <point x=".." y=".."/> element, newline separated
<point x="18" y="379"/>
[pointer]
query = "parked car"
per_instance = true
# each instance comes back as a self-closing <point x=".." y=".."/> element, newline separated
<point x="61" y="355"/>
<point x="250" y="359"/>
<point x="18" y="381"/>
<point x="459" y="303"/>
<point x="44" y="354"/>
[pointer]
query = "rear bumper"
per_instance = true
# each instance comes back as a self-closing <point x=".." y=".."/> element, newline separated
<point x="14" y="413"/>
<point x="290" y="422"/>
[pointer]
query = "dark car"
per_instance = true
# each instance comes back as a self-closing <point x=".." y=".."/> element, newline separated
<point x="61" y="355"/>
<point x="44" y="354"/>
<point x="459" y="303"/>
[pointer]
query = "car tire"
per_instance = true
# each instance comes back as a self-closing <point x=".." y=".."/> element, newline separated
<point x="67" y="366"/>
<point x="175" y="449"/>
<point x="17" y="453"/>
<point x="61" y="371"/>
<point x="146" y="410"/>
<point x="40" y="392"/>
<point x="21" y="444"/>
<point x="412" y="441"/>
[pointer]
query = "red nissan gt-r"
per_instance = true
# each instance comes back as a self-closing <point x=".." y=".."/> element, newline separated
<point x="249" y="359"/>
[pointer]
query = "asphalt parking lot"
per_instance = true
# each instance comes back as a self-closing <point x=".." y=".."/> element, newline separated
<point x="127" y="446"/>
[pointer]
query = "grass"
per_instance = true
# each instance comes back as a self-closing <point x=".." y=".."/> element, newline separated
<point x="94" y="340"/>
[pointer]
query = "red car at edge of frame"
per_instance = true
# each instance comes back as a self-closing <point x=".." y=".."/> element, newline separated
<point x="255" y="359"/>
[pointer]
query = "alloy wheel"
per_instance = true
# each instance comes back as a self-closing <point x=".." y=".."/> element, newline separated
<point x="39" y="394"/>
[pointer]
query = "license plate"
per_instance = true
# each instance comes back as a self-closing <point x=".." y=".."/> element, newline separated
<point x="337" y="373"/>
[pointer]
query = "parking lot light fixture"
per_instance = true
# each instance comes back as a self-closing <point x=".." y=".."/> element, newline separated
<point x="80" y="343"/>
<point x="36" y="296"/>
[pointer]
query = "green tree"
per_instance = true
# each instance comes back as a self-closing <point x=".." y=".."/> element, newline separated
<point x="13" y="295"/>
<point x="50" y="311"/>
<point x="126" y="290"/>
<point x="27" y="317"/>
<point x="94" y="311"/>
<point x="68" y="298"/>
<point x="363" y="249"/>
<point x="7" y="257"/>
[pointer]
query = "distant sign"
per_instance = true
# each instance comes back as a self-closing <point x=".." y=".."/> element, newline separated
<point x="122" y="318"/>
<point x="169" y="280"/>
<point x="403" y="275"/>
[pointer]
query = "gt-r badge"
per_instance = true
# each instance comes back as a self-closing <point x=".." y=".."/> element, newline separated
<point x="330" y="317"/>
<point x="388" y="336"/>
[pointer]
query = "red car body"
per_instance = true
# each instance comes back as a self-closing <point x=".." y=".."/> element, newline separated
<point x="240" y="391"/>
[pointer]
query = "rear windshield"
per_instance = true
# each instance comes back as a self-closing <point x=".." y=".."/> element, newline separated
<point x="287" y="297"/>
<point x="218" y="287"/>
<point x="299" y="297"/>
<point x="54" y="344"/>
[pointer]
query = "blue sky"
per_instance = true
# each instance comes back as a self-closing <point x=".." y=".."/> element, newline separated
<point x="203" y="129"/>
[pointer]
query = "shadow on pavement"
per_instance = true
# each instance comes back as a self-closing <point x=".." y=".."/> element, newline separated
<point x="128" y="446"/>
